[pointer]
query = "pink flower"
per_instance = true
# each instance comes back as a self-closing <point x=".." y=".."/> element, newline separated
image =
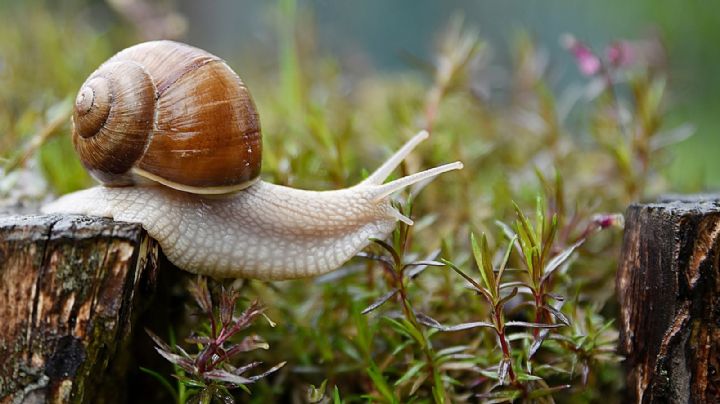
<point x="605" y="220"/>
<point x="587" y="61"/>
<point x="621" y="53"/>
<point x="644" y="53"/>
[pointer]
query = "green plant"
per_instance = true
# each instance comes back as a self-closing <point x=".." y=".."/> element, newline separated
<point x="514" y="375"/>
<point x="209" y="374"/>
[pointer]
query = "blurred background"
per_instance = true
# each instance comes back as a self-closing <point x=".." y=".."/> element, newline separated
<point x="391" y="35"/>
<point x="48" y="48"/>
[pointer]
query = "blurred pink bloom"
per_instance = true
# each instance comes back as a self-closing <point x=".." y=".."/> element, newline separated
<point x="587" y="61"/>
<point x="640" y="53"/>
<point x="621" y="53"/>
<point x="605" y="220"/>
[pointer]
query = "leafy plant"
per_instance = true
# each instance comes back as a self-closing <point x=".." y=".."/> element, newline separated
<point x="514" y="376"/>
<point x="210" y="372"/>
<point x="399" y="273"/>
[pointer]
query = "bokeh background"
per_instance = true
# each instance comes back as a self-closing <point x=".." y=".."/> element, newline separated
<point x="387" y="35"/>
<point x="47" y="48"/>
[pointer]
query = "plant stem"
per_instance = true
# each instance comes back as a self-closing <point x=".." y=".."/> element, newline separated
<point x="634" y="183"/>
<point x="426" y="345"/>
<point x="538" y="310"/>
<point x="504" y="345"/>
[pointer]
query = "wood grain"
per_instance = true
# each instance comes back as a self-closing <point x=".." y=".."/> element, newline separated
<point x="668" y="285"/>
<point x="70" y="290"/>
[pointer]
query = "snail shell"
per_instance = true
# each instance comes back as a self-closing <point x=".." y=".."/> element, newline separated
<point x="171" y="113"/>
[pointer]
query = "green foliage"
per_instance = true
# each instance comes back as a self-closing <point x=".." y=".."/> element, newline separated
<point x="43" y="61"/>
<point x="209" y="374"/>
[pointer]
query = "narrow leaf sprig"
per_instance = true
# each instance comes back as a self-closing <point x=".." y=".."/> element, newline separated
<point x="210" y="371"/>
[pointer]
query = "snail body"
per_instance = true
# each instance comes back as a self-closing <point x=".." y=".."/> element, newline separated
<point x="251" y="228"/>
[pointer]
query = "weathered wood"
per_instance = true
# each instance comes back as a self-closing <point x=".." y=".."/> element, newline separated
<point x="668" y="286"/>
<point x="70" y="289"/>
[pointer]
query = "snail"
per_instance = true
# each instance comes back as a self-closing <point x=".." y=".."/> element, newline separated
<point x="173" y="135"/>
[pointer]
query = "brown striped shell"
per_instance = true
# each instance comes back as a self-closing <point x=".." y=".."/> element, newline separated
<point x="170" y="113"/>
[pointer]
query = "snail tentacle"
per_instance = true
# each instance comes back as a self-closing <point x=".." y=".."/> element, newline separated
<point x="381" y="173"/>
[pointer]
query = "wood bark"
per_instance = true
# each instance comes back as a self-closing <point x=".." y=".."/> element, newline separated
<point x="668" y="286"/>
<point x="70" y="290"/>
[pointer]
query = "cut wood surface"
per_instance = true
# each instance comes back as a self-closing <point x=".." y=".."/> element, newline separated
<point x="668" y="286"/>
<point x="70" y="289"/>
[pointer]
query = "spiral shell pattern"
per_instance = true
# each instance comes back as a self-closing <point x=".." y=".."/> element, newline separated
<point x="170" y="113"/>
<point x="108" y="138"/>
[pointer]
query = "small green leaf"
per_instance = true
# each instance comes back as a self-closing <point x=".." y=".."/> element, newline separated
<point x="316" y="394"/>
<point x="478" y="287"/>
<point x="189" y="382"/>
<point x="535" y="266"/>
<point x="406" y="328"/>
<point x="526" y="377"/>
<point x="526" y="246"/>
<point x="401" y="347"/>
<point x="438" y="390"/>
<point x="409" y="373"/>
<point x="398" y="327"/>
<point x="380" y="383"/>
<point x="504" y="262"/>
<point x="550" y="236"/>
<point x="483" y="259"/>
<point x="418" y="382"/>
<point x="539" y="217"/>
<point x="524" y="224"/>
<point x="417" y="334"/>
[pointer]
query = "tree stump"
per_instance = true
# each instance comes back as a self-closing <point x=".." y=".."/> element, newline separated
<point x="70" y="290"/>
<point x="668" y="285"/>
